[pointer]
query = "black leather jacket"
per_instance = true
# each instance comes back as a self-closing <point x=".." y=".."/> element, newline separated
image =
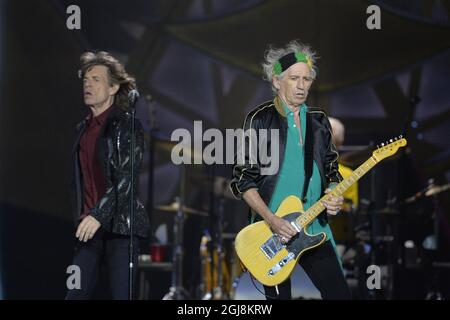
<point x="113" y="152"/>
<point x="318" y="147"/>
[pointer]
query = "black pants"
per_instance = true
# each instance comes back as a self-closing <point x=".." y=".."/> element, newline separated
<point x="323" y="268"/>
<point x="114" y="251"/>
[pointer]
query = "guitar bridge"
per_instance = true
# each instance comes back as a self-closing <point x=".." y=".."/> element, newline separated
<point x="272" y="246"/>
<point x="281" y="264"/>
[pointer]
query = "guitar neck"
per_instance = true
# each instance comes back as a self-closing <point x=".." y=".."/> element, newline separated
<point x="307" y="217"/>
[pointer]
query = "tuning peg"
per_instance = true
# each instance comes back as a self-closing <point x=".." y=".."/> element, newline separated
<point x="391" y="141"/>
<point x="378" y="147"/>
<point x="382" y="144"/>
<point x="401" y="136"/>
<point x="395" y="138"/>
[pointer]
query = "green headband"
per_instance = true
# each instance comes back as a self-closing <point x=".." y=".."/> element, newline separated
<point x="288" y="60"/>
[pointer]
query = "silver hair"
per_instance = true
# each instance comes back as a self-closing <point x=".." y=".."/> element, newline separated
<point x="272" y="55"/>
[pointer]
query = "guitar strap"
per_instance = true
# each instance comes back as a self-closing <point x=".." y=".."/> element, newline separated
<point x="309" y="155"/>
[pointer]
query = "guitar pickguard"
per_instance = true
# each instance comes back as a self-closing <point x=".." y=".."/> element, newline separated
<point x="298" y="244"/>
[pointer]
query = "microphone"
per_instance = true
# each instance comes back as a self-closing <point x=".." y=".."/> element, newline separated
<point x="133" y="96"/>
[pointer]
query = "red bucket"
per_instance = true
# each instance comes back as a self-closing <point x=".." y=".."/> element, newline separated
<point x="158" y="252"/>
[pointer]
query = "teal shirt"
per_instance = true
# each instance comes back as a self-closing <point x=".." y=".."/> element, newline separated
<point x="291" y="176"/>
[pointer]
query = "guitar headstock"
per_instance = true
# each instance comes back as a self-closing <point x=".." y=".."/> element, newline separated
<point x="389" y="148"/>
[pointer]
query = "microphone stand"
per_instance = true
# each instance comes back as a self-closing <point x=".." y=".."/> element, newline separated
<point x="151" y="162"/>
<point x="132" y="98"/>
<point x="177" y="291"/>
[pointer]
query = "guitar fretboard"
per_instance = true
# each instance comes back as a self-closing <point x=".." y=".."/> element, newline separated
<point x="307" y="217"/>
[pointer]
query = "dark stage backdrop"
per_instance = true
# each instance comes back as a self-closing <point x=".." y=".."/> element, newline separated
<point x="198" y="60"/>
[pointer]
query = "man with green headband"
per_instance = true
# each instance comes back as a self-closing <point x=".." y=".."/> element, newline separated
<point x="308" y="166"/>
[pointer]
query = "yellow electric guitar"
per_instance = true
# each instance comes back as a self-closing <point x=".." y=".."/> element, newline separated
<point x="261" y="251"/>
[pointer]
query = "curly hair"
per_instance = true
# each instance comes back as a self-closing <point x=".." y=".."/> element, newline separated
<point x="116" y="74"/>
<point x="272" y="55"/>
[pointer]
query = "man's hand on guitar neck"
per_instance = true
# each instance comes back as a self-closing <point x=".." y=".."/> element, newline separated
<point x="279" y="226"/>
<point x="334" y="204"/>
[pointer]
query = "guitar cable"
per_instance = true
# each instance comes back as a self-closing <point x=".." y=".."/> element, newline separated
<point x="263" y="293"/>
